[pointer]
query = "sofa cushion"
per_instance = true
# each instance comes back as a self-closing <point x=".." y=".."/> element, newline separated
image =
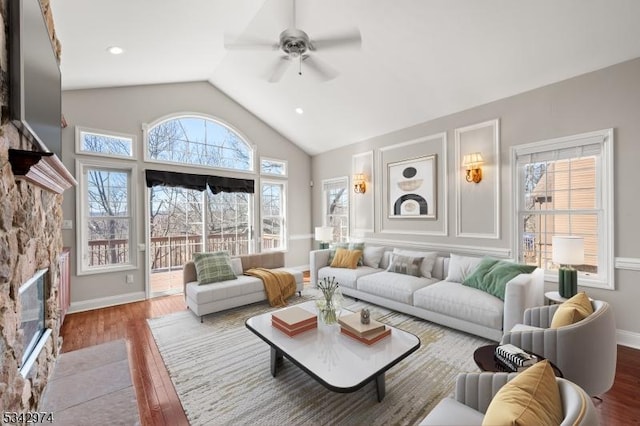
<point x="492" y="275"/>
<point x="393" y="286"/>
<point x="224" y="289"/>
<point x="571" y="311"/>
<point x="345" y="258"/>
<point x="296" y="273"/>
<point x="461" y="266"/>
<point x="372" y="256"/>
<point x="345" y="277"/>
<point x="450" y="412"/>
<point x="429" y="259"/>
<point x="458" y="301"/>
<point x="213" y="267"/>
<point x="531" y="398"/>
<point x="406" y="265"/>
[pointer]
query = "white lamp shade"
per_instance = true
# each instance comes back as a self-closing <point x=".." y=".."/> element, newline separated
<point x="567" y="250"/>
<point x="324" y="233"/>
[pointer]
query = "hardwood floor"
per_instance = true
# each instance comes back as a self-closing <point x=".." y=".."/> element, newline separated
<point x="158" y="402"/>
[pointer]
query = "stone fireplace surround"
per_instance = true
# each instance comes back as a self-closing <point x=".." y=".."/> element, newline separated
<point x="30" y="239"/>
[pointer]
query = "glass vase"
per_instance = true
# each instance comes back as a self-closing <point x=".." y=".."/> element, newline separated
<point x="329" y="306"/>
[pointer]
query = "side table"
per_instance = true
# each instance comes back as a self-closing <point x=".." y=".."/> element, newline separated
<point x="554" y="297"/>
<point x="486" y="361"/>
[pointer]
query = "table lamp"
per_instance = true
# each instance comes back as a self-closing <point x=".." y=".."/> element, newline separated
<point x="566" y="251"/>
<point x="324" y="234"/>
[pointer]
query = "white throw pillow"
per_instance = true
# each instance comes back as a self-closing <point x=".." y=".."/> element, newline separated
<point x="429" y="259"/>
<point x="460" y="267"/>
<point x="372" y="256"/>
<point x="236" y="265"/>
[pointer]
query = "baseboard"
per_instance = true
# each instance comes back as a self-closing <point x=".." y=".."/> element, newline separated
<point x="628" y="338"/>
<point x="103" y="302"/>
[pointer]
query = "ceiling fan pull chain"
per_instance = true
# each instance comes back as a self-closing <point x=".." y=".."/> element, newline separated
<point x="300" y="65"/>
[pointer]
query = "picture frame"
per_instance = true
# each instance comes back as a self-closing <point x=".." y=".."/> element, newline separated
<point x="411" y="188"/>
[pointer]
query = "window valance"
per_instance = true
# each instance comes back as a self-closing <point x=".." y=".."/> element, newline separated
<point x="216" y="184"/>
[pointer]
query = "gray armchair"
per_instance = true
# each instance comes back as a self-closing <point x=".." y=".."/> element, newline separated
<point x="474" y="392"/>
<point x="585" y="352"/>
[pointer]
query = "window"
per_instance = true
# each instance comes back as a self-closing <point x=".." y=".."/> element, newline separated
<point x="197" y="140"/>
<point x="565" y="187"/>
<point x="336" y="207"/>
<point x="228" y="222"/>
<point x="105" y="216"/>
<point x="273" y="167"/>
<point x="100" y="142"/>
<point x="273" y="215"/>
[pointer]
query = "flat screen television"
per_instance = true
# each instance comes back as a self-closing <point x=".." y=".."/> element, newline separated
<point x="35" y="99"/>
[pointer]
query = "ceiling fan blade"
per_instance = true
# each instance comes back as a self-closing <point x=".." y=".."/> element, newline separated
<point x="347" y="40"/>
<point x="318" y="67"/>
<point x="278" y="69"/>
<point x="248" y="43"/>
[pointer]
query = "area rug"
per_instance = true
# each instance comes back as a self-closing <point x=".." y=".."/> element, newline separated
<point x="92" y="386"/>
<point x="221" y="373"/>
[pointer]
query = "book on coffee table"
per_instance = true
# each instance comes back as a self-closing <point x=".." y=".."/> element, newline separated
<point x="371" y="338"/>
<point x="294" y="320"/>
<point x="352" y="323"/>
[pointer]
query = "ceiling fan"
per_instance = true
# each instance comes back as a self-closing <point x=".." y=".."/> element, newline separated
<point x="298" y="46"/>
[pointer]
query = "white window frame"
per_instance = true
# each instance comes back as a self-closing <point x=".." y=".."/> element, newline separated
<point x="175" y="116"/>
<point x="604" y="201"/>
<point x="283" y="209"/>
<point x="82" y="130"/>
<point x="82" y="205"/>
<point x="325" y="207"/>
<point x="285" y="166"/>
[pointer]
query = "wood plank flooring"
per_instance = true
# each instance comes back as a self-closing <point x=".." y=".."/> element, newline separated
<point x="159" y="404"/>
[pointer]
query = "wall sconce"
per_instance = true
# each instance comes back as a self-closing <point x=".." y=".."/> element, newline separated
<point x="359" y="185"/>
<point x="472" y="163"/>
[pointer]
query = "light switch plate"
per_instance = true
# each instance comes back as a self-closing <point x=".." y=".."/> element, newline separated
<point x="67" y="224"/>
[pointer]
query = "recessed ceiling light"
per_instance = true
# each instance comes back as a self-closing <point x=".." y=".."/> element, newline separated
<point x="115" y="50"/>
<point x="299" y="110"/>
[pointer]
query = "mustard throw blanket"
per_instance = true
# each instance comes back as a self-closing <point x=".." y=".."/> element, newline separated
<point x="279" y="285"/>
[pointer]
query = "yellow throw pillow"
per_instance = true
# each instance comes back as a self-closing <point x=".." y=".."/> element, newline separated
<point x="531" y="398"/>
<point x="346" y="258"/>
<point x="571" y="311"/>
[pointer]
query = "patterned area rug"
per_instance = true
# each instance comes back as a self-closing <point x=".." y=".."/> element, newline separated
<point x="221" y="373"/>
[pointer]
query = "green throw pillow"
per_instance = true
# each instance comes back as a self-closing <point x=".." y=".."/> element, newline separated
<point x="213" y="267"/>
<point x="492" y="275"/>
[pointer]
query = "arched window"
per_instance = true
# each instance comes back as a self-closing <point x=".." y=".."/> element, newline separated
<point x="197" y="140"/>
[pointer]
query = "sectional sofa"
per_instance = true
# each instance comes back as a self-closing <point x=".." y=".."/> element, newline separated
<point x="438" y="295"/>
<point x="243" y="290"/>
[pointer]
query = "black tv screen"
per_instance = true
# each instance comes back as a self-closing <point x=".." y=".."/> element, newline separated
<point x="35" y="102"/>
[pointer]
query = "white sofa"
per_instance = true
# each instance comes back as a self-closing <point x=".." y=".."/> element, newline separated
<point x="436" y="299"/>
<point x="208" y="298"/>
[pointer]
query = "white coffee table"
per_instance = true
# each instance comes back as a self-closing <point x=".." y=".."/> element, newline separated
<point x="336" y="361"/>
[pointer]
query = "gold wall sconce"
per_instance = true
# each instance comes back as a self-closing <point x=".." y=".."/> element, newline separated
<point x="359" y="183"/>
<point x="472" y="164"/>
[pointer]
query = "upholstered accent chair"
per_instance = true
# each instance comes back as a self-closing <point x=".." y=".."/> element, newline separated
<point x="585" y="351"/>
<point x="474" y="392"/>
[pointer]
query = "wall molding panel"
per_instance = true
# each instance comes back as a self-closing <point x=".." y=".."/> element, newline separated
<point x="503" y="253"/>
<point x="627" y="263"/>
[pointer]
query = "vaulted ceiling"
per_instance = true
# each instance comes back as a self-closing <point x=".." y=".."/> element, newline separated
<point x="418" y="60"/>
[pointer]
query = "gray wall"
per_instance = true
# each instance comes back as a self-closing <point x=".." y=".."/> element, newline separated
<point x="124" y="110"/>
<point x="608" y="98"/>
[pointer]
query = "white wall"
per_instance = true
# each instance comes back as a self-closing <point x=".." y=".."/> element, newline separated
<point x="124" y="110"/>
<point x="608" y="98"/>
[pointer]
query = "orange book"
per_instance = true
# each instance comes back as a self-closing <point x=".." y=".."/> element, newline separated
<point x="369" y="340"/>
<point x="294" y="317"/>
<point x="292" y="332"/>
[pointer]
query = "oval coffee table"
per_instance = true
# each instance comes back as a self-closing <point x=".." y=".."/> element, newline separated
<point x="486" y="361"/>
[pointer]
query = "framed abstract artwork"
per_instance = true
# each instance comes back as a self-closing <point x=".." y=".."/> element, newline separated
<point x="411" y="188"/>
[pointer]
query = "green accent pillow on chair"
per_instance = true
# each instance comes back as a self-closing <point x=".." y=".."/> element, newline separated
<point x="492" y="275"/>
<point x="213" y="267"/>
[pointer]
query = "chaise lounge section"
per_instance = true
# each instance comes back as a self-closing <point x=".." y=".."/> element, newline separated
<point x="215" y="297"/>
